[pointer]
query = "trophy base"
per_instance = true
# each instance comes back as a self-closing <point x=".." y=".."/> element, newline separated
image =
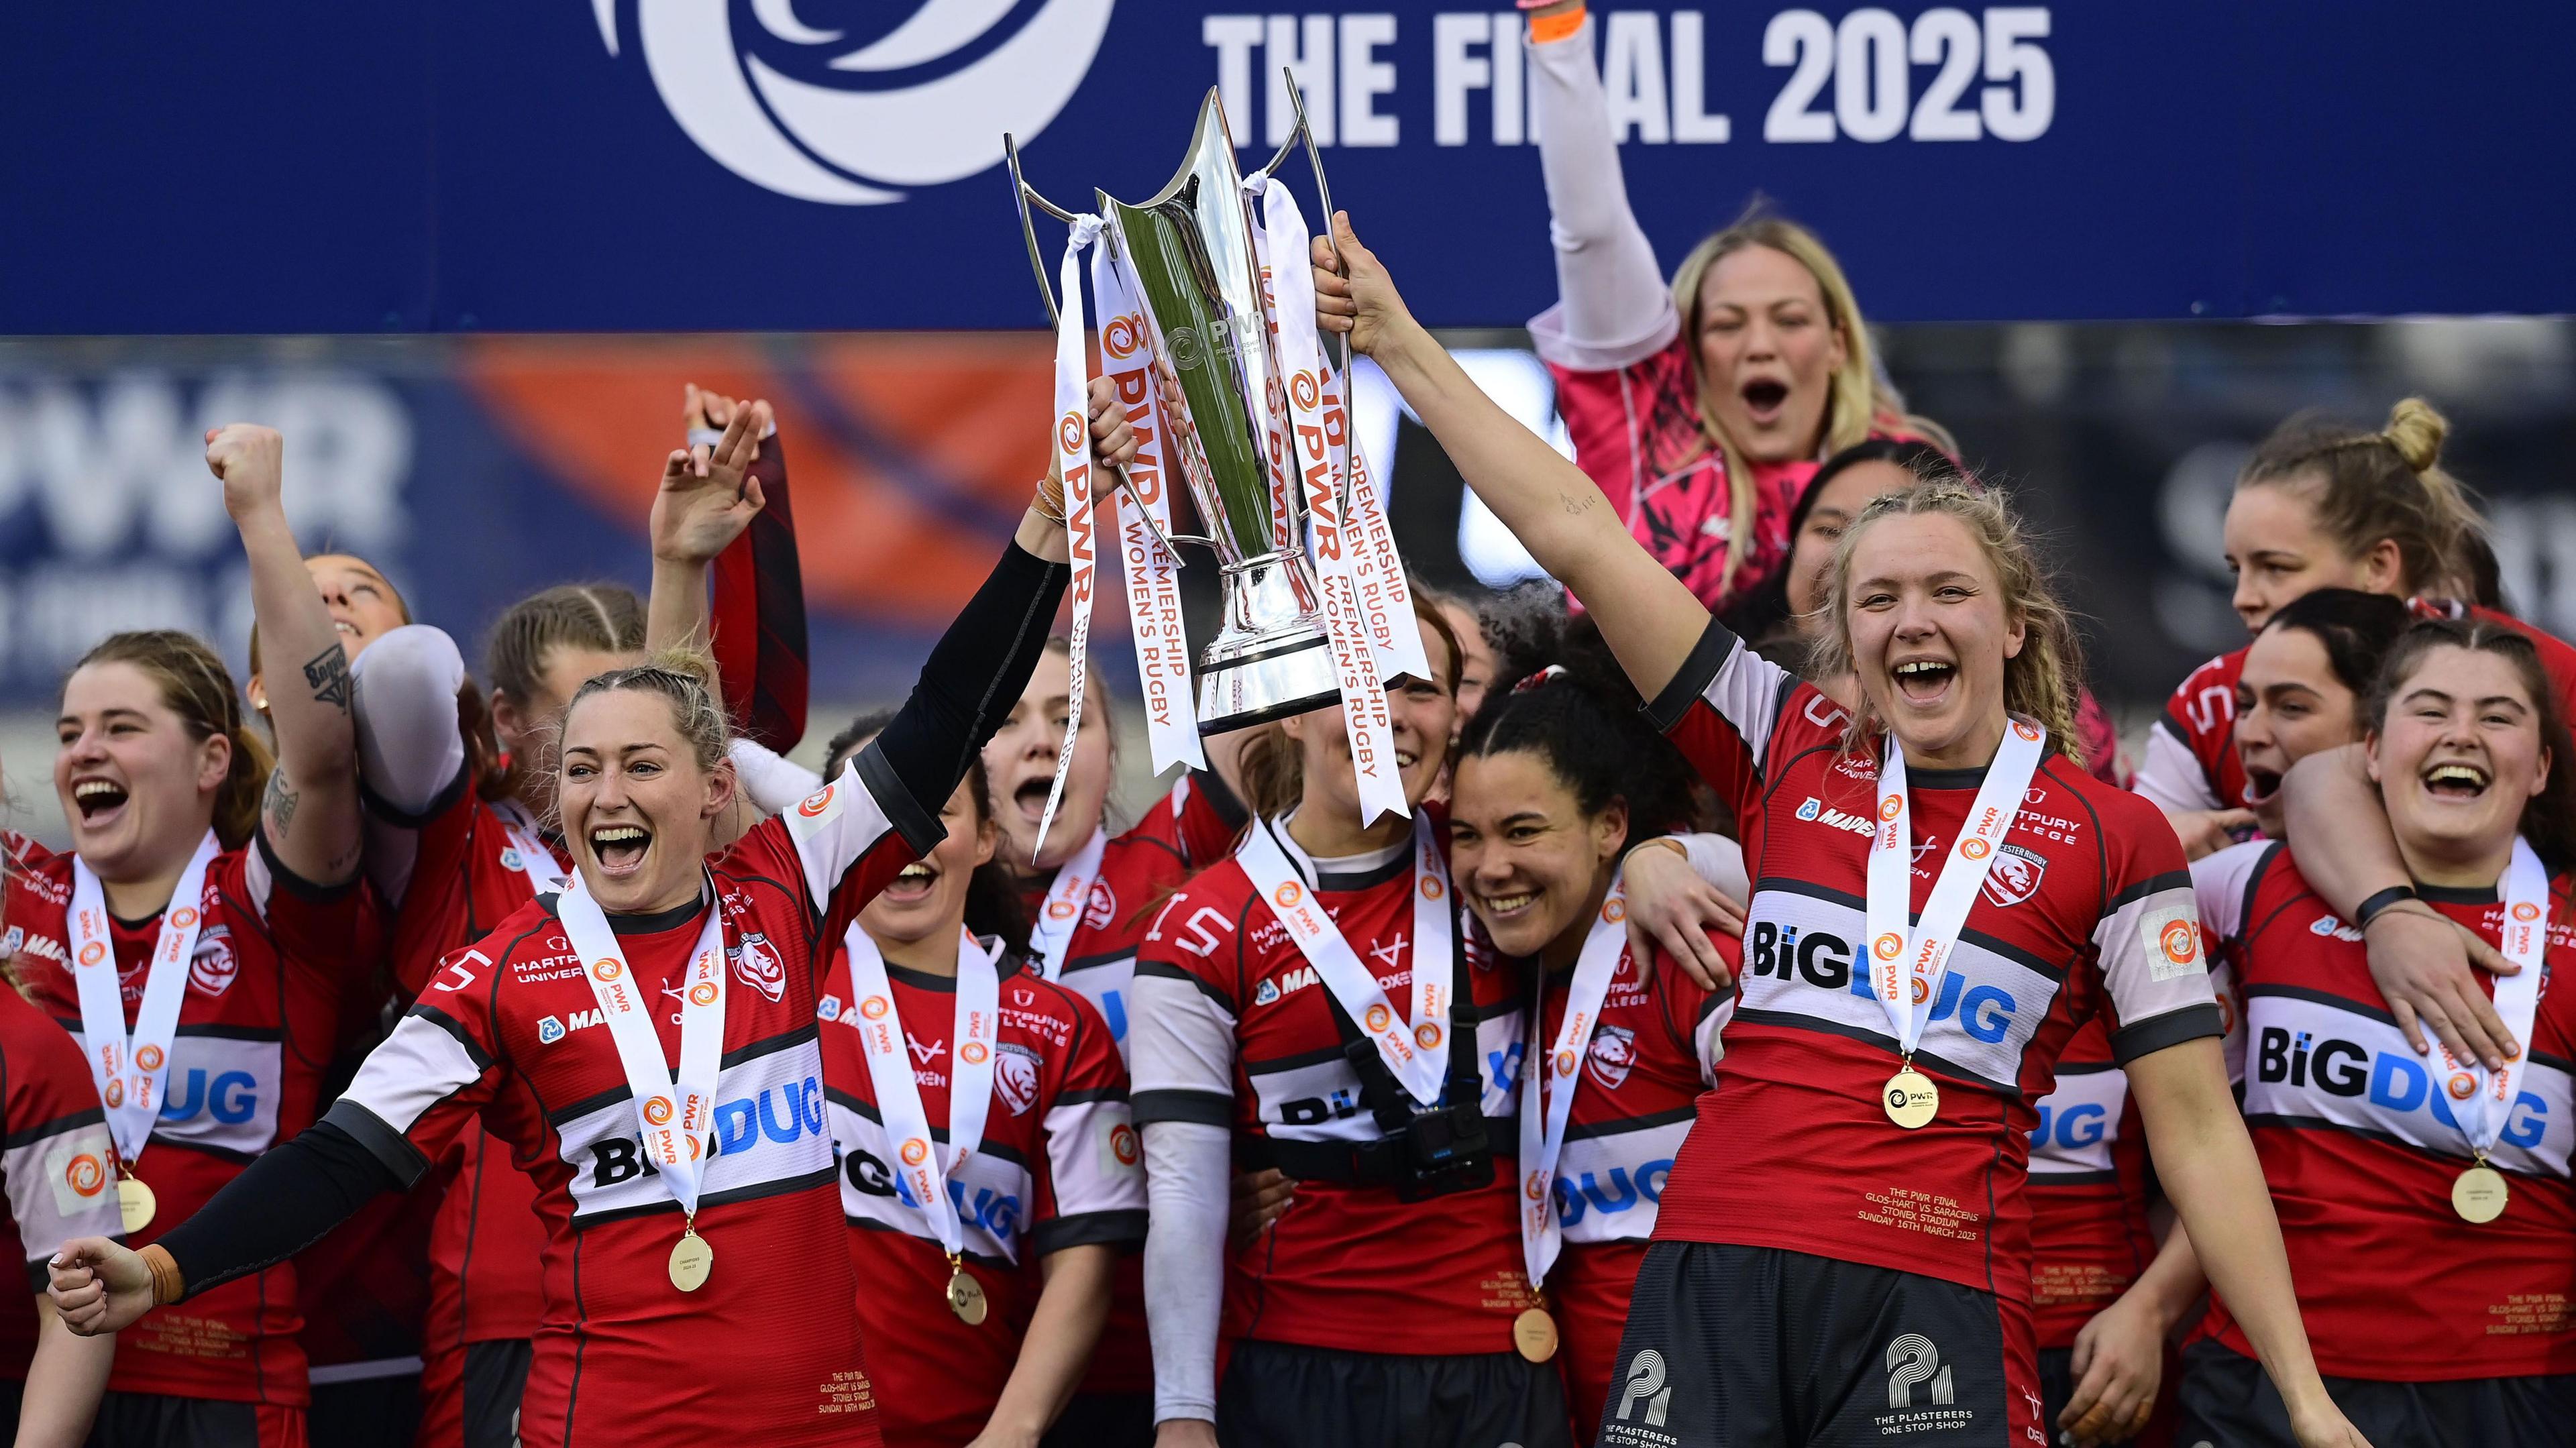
<point x="1263" y="684"/>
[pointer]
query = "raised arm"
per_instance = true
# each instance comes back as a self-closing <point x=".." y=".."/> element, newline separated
<point x="2419" y="959"/>
<point x="411" y="748"/>
<point x="1650" y="619"/>
<point x="310" y="814"/>
<point x="1612" y="308"/>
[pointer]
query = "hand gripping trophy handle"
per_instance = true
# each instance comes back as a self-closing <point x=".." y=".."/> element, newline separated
<point x="1186" y="257"/>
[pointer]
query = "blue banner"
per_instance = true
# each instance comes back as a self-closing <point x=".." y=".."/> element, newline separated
<point x="626" y="165"/>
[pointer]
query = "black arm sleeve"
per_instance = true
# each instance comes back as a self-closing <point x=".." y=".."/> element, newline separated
<point x="967" y="687"/>
<point x="281" y="1204"/>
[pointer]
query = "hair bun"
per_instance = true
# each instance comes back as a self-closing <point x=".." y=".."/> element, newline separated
<point x="2416" y="431"/>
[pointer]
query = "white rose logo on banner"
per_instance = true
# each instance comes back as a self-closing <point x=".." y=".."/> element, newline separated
<point x="796" y="108"/>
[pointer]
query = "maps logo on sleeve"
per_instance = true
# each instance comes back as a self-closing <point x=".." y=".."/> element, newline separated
<point x="824" y="115"/>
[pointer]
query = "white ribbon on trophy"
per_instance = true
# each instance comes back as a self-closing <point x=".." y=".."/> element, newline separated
<point x="1140" y="522"/>
<point x="1073" y="459"/>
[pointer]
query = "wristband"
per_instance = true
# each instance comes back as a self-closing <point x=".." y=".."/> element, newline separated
<point x="1633" y="846"/>
<point x="1548" y="29"/>
<point x="2379" y="901"/>
<point x="167" y="1285"/>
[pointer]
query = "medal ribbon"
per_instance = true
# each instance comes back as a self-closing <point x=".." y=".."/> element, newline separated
<point x="1906" y="967"/>
<point x="674" y="1113"/>
<point x="1416" y="1053"/>
<point x="1073" y="459"/>
<point x="1356" y="600"/>
<point x="130" y="1069"/>
<point x="917" y="1161"/>
<point x="1060" y="914"/>
<point x="1551" y="1080"/>
<point x="2483" y="1113"/>
<point x="1153" y="574"/>
<point x="536" y="862"/>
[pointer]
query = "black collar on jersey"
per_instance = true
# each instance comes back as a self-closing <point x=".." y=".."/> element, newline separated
<point x="649" y="924"/>
<point x="1337" y="881"/>
<point x="1009" y="965"/>
<point x="2457" y="894"/>
<point x="1972" y="777"/>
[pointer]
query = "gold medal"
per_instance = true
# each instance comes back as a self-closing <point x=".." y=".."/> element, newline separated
<point x="2479" y="1194"/>
<point x="1534" y="1335"/>
<point x="691" y="1260"/>
<point x="965" y="1297"/>
<point x="135" y="1204"/>
<point x="1910" y="1098"/>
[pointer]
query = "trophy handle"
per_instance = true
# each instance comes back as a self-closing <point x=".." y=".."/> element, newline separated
<point x="1026" y="196"/>
<point x="1323" y="194"/>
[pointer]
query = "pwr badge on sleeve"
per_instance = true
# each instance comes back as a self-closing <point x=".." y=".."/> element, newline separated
<point x="2170" y="937"/>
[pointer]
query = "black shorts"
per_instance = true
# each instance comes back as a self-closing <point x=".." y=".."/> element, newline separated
<point x="496" y="1374"/>
<point x="2228" y="1401"/>
<point x="374" y="1412"/>
<point x="1104" y="1420"/>
<point x="1278" y="1396"/>
<point x="1755" y="1347"/>
<point x="154" y="1420"/>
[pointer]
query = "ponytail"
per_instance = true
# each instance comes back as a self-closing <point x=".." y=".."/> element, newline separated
<point x="1583" y="719"/>
<point x="2384" y="486"/>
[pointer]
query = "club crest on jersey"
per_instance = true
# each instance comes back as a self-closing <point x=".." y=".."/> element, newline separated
<point x="756" y="964"/>
<point x="2015" y="875"/>
<point x="212" y="968"/>
<point x="1613" y="1056"/>
<point x="1015" y="1077"/>
<point x="549" y="1031"/>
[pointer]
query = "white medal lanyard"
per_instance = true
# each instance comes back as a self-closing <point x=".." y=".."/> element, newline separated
<point x="129" y="1069"/>
<point x="1906" y="967"/>
<point x="1060" y="914"/>
<point x="1548" y="1083"/>
<point x="2482" y="1115"/>
<point x="536" y="861"/>
<point x="971" y="1050"/>
<point x="1416" y="1052"/>
<point x="676" y="1112"/>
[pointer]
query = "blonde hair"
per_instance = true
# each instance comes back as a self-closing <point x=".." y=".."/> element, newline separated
<point x="2041" y="681"/>
<point x="684" y="678"/>
<point x="1271" y="766"/>
<point x="1858" y="399"/>
<point x="2379" y="486"/>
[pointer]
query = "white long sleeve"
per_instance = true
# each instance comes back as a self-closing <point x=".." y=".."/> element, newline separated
<point x="1718" y="861"/>
<point x="773" y="781"/>
<point x="1613" y="308"/>
<point x="411" y="754"/>
<point x="1187" y="1192"/>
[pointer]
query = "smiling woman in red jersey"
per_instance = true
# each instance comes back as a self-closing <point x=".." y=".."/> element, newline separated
<point x="1868" y="1222"/>
<point x="1554" y="779"/>
<point x="668" y="1199"/>
<point x="2426" y="1201"/>
<point x="1312" y="1004"/>
<point x="1089" y="895"/>
<point x="980" y="1308"/>
<point x="197" y="940"/>
<point x="2319" y="505"/>
<point x="1700" y="407"/>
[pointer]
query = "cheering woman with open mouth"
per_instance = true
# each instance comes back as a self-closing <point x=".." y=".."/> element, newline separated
<point x="1842" y="1252"/>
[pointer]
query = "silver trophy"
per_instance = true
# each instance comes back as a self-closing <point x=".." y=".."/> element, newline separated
<point x="1187" y="257"/>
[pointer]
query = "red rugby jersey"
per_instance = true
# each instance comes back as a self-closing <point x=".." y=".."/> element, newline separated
<point x="1244" y="1039"/>
<point x="465" y="880"/>
<point x="2088" y="911"/>
<point x="257" y="1027"/>
<point x="1059" y="1167"/>
<point x="509" y="1030"/>
<point x="1653" y="1051"/>
<point x="55" y="1156"/>
<point x="2191" y="750"/>
<point x="2089" y="1237"/>
<point x="2358" y="1142"/>
<point x="1188" y="829"/>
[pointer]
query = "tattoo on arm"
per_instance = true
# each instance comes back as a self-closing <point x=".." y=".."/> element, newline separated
<point x="281" y="802"/>
<point x="327" y="674"/>
<point x="1577" y="506"/>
